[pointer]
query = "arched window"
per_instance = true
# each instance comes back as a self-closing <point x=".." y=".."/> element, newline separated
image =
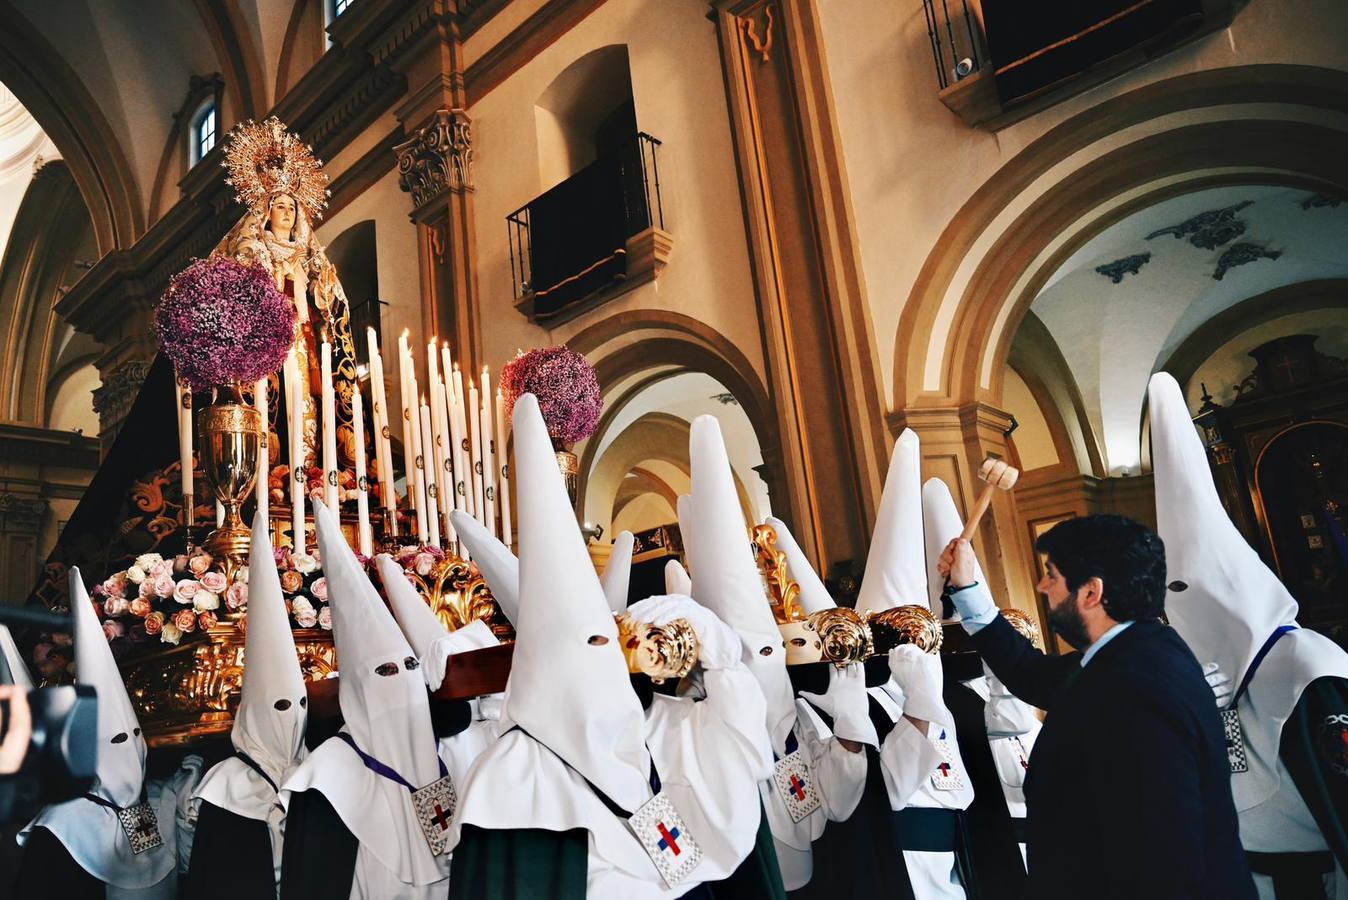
<point x="205" y="130"/>
<point x="340" y="6"/>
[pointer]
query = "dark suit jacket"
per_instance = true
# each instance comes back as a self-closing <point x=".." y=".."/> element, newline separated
<point x="1129" y="787"/>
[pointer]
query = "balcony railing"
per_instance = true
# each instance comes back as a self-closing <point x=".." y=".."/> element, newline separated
<point x="575" y="242"/>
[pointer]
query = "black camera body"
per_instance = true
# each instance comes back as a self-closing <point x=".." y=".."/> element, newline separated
<point x="62" y="758"/>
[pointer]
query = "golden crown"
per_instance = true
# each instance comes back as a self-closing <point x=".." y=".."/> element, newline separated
<point x="264" y="159"/>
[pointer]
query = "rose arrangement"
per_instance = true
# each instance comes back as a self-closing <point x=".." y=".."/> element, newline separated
<point x="222" y="322"/>
<point x="566" y="387"/>
<point x="166" y="598"/>
<point x="305" y="588"/>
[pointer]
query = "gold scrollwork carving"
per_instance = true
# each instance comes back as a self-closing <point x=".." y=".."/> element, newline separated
<point x="458" y="595"/>
<point x="783" y="592"/>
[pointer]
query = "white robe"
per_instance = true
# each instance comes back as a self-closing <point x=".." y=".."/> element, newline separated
<point x="1273" y="816"/>
<point x="839" y="777"/>
<point x="1010" y="752"/>
<point x="709" y="755"/>
<point x="908" y="759"/>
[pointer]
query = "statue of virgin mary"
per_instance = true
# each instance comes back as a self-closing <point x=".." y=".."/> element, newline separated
<point x="284" y="190"/>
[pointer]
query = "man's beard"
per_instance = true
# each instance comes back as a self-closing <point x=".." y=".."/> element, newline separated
<point x="1066" y="620"/>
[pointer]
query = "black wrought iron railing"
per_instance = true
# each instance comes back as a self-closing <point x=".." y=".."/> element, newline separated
<point x="954" y="41"/>
<point x="569" y="242"/>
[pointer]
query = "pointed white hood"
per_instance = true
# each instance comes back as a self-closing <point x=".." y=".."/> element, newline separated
<point x="12" y="668"/>
<point x="1232" y="601"/>
<point x="617" y="575"/>
<point x="91" y="832"/>
<point x="684" y="509"/>
<point x="500" y="568"/>
<point x="677" y="580"/>
<point x="568" y="687"/>
<point x="432" y="642"/>
<point x="896" y="567"/>
<point x="941" y="523"/>
<point x="387" y="715"/>
<point x="273" y="708"/>
<point x="813" y="595"/>
<point x="726" y="579"/>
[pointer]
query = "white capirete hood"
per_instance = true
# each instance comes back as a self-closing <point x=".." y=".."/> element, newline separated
<point x="896" y="566"/>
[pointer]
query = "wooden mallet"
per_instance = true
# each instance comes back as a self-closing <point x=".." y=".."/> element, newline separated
<point x="996" y="475"/>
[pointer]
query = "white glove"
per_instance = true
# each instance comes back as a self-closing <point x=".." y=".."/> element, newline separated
<point x="919" y="674"/>
<point x="719" y="647"/>
<point x="848" y="704"/>
<point x="1220" y="683"/>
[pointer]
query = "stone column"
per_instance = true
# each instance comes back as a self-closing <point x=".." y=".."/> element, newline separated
<point x="813" y="314"/>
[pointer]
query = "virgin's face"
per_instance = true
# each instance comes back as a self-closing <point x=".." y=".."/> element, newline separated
<point x="281" y="216"/>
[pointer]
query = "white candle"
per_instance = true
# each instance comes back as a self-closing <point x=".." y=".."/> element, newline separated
<point x="503" y="467"/>
<point x="264" y="451"/>
<point x="475" y="427"/>
<point x="463" y="459"/>
<point x="330" y="491"/>
<point x="409" y="449"/>
<point x="417" y="481"/>
<point x="456" y="438"/>
<point x="362" y="477"/>
<point x="295" y="426"/>
<point x="379" y="416"/>
<point x="417" y="523"/>
<point x="184" y="404"/>
<point x="435" y="460"/>
<point x="488" y="453"/>
<point x="444" y="476"/>
<point x="219" y="514"/>
<point x="428" y="452"/>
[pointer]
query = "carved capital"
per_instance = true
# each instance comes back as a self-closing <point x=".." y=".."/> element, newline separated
<point x="437" y="158"/>
<point x="113" y="400"/>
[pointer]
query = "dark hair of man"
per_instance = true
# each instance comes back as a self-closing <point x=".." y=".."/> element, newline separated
<point x="1129" y="558"/>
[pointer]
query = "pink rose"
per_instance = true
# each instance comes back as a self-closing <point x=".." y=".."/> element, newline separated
<point x="115" y="585"/>
<point x="199" y="564"/>
<point x="113" y="629"/>
<point x="206" y="620"/>
<point x="164" y="586"/>
<point x="319" y="589"/>
<point x="186" y="590"/>
<point x="325" y="618"/>
<point x="237" y="595"/>
<point x="180" y="563"/>
<point x="186" y="620"/>
<point x="115" y="606"/>
<point x="154" y="622"/>
<point x="140" y="607"/>
<point x="423" y="563"/>
<point x="146" y="589"/>
<point x="214" y="582"/>
<point x="161" y="569"/>
<point x="291" y="581"/>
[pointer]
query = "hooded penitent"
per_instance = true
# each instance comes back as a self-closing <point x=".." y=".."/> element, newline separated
<point x="896" y="566"/>
<point x="387" y="714"/>
<point x="273" y="709"/>
<point x="1224" y="601"/>
<point x="498" y="565"/>
<point x="568" y="686"/>
<point x="91" y="831"/>
<point x="726" y="578"/>
<point x="430" y="640"/>
<point x="617" y="575"/>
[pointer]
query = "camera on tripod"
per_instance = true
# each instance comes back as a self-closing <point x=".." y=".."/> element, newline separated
<point x="62" y="757"/>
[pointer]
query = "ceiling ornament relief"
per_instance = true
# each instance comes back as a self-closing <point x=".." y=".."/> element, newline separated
<point x="1242" y="254"/>
<point x="1209" y="230"/>
<point x="1129" y="265"/>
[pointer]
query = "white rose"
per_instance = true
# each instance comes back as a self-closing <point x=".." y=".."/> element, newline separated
<point x="205" y="600"/>
<point x="301" y="606"/>
<point x="303" y="563"/>
<point x="135" y="574"/>
<point x="146" y="561"/>
<point x="170" y="633"/>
